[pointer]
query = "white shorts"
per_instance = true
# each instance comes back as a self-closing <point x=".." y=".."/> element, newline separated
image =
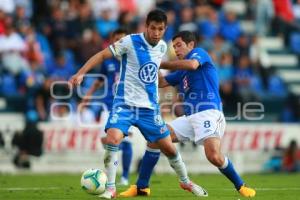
<point x="199" y="126"/>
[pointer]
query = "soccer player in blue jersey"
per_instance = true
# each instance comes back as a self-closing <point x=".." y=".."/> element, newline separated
<point x="136" y="99"/>
<point x="111" y="70"/>
<point x="203" y="122"/>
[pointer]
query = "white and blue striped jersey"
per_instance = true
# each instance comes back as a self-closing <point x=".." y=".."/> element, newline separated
<point x="138" y="84"/>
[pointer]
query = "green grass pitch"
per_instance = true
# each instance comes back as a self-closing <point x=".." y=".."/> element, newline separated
<point x="67" y="186"/>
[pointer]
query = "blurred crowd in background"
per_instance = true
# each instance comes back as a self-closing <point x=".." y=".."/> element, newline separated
<point x="46" y="41"/>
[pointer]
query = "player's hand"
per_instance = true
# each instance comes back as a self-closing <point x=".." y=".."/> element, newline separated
<point x="76" y="79"/>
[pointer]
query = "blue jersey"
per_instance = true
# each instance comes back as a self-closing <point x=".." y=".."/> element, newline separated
<point x="111" y="69"/>
<point x="200" y="86"/>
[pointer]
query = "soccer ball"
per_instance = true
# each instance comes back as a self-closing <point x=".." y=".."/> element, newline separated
<point x="93" y="181"/>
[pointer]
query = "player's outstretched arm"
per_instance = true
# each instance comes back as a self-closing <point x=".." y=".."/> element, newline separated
<point x="180" y="64"/>
<point x="95" y="60"/>
<point x="162" y="82"/>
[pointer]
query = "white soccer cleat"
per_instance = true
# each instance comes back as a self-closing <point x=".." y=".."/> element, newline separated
<point x="108" y="194"/>
<point x="194" y="188"/>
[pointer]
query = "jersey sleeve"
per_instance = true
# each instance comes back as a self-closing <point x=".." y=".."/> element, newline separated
<point x="120" y="47"/>
<point x="174" y="78"/>
<point x="200" y="57"/>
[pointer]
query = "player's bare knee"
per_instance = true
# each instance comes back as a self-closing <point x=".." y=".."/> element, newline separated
<point x="113" y="140"/>
<point x="114" y="137"/>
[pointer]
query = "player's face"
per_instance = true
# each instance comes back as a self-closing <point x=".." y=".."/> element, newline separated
<point x="155" y="31"/>
<point x="181" y="48"/>
<point x="117" y="37"/>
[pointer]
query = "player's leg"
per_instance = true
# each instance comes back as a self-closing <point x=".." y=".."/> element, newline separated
<point x="209" y="127"/>
<point x="213" y="153"/>
<point x="148" y="163"/>
<point x="176" y="162"/>
<point x="112" y="141"/>
<point x="126" y="148"/>
<point x="174" y="157"/>
<point x="116" y="128"/>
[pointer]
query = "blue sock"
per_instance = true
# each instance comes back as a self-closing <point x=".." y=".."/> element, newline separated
<point x="150" y="159"/>
<point x="228" y="170"/>
<point x="126" y="148"/>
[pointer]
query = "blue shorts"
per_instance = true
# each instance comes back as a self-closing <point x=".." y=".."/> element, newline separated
<point x="148" y="121"/>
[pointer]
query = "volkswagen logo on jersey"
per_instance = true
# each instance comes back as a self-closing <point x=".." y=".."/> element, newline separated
<point x="148" y="72"/>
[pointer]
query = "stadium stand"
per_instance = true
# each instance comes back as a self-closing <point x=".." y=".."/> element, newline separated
<point x="48" y="45"/>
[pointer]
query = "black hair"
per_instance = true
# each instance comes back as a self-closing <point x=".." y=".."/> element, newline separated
<point x="120" y="31"/>
<point x="156" y="15"/>
<point x="186" y="36"/>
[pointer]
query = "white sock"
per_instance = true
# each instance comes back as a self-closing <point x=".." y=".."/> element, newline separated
<point x="225" y="164"/>
<point x="178" y="165"/>
<point x="111" y="165"/>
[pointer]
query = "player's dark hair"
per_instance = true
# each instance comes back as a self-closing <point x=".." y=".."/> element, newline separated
<point x="120" y="31"/>
<point x="156" y="15"/>
<point x="186" y="36"/>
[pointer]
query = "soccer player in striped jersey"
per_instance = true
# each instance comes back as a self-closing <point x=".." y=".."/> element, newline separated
<point x="136" y="99"/>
